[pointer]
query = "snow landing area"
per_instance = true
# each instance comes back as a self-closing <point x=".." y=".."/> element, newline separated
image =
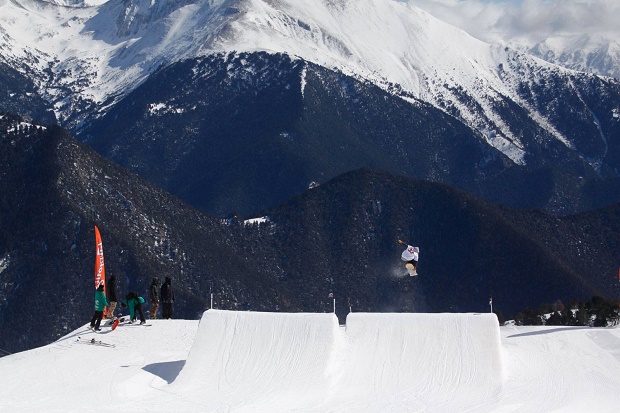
<point x="279" y="362"/>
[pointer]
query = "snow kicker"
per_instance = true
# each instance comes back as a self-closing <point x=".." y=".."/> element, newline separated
<point x="301" y="360"/>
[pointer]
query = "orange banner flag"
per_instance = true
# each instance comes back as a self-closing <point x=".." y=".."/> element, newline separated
<point x="99" y="263"/>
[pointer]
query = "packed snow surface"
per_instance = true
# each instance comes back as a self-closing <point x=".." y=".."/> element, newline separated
<point x="277" y="362"/>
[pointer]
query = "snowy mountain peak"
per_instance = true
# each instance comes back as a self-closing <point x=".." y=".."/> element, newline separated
<point x="592" y="53"/>
<point x="85" y="56"/>
<point x="117" y="44"/>
<point x="74" y="3"/>
<point x="135" y="17"/>
<point x="372" y="38"/>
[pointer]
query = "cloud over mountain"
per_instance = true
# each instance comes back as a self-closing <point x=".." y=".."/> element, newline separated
<point x="582" y="34"/>
<point x="533" y="20"/>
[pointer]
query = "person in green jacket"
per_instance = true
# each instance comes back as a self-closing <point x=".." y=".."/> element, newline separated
<point x="100" y="304"/>
<point x="134" y="302"/>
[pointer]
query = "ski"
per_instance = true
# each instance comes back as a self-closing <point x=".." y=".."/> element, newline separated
<point x="94" y="342"/>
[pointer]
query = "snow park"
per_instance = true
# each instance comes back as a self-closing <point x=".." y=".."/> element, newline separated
<point x="274" y="157"/>
<point x="233" y="361"/>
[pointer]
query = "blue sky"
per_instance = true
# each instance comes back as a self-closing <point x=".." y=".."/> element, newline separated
<point x="491" y="20"/>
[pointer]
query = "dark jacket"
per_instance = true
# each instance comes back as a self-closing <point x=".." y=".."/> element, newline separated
<point x="167" y="294"/>
<point x="111" y="287"/>
<point x="154" y="292"/>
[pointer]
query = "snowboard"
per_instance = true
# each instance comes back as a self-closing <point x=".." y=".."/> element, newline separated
<point x="411" y="269"/>
<point x="115" y="324"/>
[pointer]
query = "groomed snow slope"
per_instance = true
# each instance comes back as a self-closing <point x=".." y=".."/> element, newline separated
<point x="259" y="362"/>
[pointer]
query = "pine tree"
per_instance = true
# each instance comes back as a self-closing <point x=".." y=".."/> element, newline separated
<point x="556" y="319"/>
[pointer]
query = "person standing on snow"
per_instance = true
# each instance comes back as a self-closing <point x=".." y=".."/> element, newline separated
<point x="410" y="256"/>
<point x="100" y="303"/>
<point x="111" y="296"/>
<point x="167" y="299"/>
<point x="134" y="302"/>
<point x="154" y="297"/>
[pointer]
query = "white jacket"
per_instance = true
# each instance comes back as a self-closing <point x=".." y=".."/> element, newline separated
<point x="411" y="253"/>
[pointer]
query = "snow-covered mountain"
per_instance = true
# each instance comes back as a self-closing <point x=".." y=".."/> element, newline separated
<point x="84" y="54"/>
<point x="579" y="35"/>
<point x="85" y="59"/>
<point x="585" y="53"/>
<point x="265" y="362"/>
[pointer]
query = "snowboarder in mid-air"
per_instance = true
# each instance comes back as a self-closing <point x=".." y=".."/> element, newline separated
<point x="410" y="256"/>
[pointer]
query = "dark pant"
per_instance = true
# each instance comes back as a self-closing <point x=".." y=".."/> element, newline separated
<point x="138" y="308"/>
<point x="96" y="320"/>
<point x="166" y="311"/>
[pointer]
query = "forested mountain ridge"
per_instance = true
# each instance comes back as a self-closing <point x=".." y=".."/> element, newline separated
<point x="339" y="238"/>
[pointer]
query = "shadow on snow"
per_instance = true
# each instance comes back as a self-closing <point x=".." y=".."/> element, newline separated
<point x="167" y="370"/>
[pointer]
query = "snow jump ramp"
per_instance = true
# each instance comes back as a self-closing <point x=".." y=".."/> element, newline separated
<point x="245" y="361"/>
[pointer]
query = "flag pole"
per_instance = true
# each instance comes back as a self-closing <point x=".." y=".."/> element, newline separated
<point x="211" y="292"/>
